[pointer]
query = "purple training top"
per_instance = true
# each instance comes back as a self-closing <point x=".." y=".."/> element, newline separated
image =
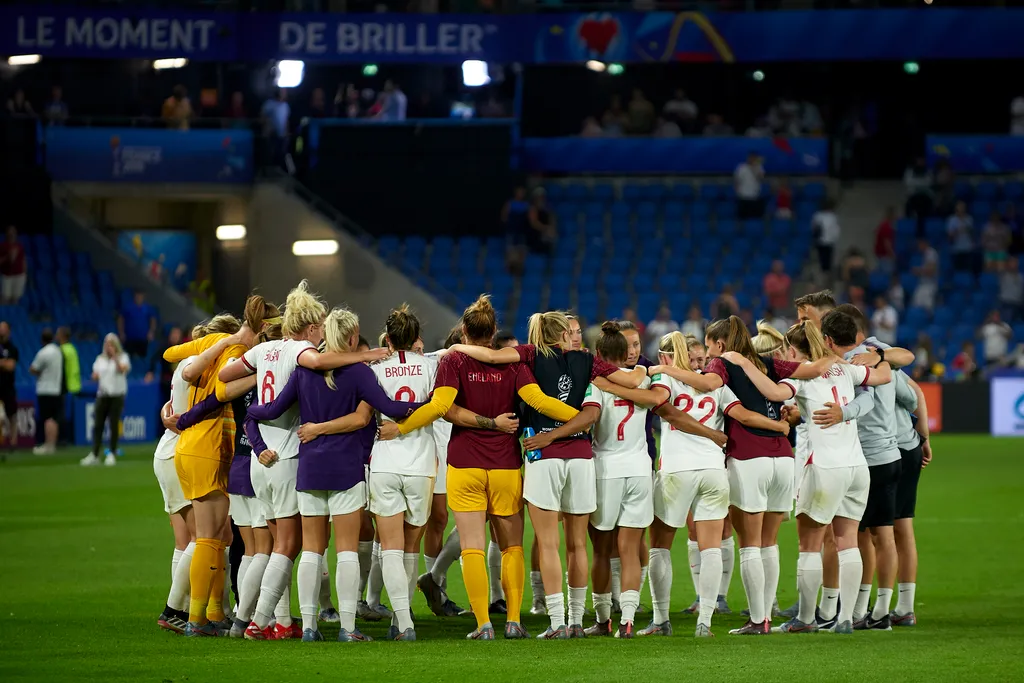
<point x="333" y="462"/>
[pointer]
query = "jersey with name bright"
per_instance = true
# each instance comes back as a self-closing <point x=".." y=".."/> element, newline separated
<point x="838" y="445"/>
<point x="442" y="428"/>
<point x="274" y="362"/>
<point x="406" y="376"/>
<point x="620" y="435"/>
<point x="179" y="405"/>
<point x="682" y="452"/>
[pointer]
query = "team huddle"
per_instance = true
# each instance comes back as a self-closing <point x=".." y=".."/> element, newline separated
<point x="288" y="424"/>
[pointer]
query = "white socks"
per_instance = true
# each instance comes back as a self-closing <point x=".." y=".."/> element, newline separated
<point x="661" y="582"/>
<point x="365" y="557"/>
<point x="555" y="604"/>
<point x="450" y="552"/>
<point x="177" y="598"/>
<point x="283" y="611"/>
<point x="728" y="563"/>
<point x="375" y="580"/>
<point x="411" y="561"/>
<point x="276" y="585"/>
<point x="392" y="566"/>
<point x="770" y="562"/>
<point x="693" y="555"/>
<point x="243" y="569"/>
<point x="905" y="599"/>
<point x="536" y="586"/>
<point x="325" y="583"/>
<point x="616" y="564"/>
<point x="829" y="602"/>
<point x="308" y="577"/>
<point x="249" y="586"/>
<point x="643" y="575"/>
<point x="346" y="577"/>
<point x="602" y="606"/>
<point x="710" y="582"/>
<point x="752" y="575"/>
<point x="860" y="608"/>
<point x="175" y="557"/>
<point x="577" y="605"/>
<point x="629" y="601"/>
<point x="494" y="571"/>
<point x="850" y="569"/>
<point x="808" y="580"/>
<point x="883" y="599"/>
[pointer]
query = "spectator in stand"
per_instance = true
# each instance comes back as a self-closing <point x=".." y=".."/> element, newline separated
<point x="13" y="268"/>
<point x="543" y="229"/>
<point x="426" y="106"/>
<point x="1017" y="116"/>
<point x="615" y="121"/>
<point x="136" y="326"/>
<point x="717" y="127"/>
<point x="1016" y="232"/>
<point x="944" y="182"/>
<point x="629" y="315"/>
<point x="965" y="363"/>
<point x="658" y="328"/>
<point x="825" y="226"/>
<point x="884" y="321"/>
<point x="19" y="106"/>
<point x="641" y="114"/>
<point x="591" y="128"/>
<point x="918" y="181"/>
<point x="885" y="242"/>
<point x="516" y="218"/>
<point x="1011" y="291"/>
<point x="995" y="336"/>
<point x="682" y="110"/>
<point x="775" y="320"/>
<point x="667" y="129"/>
<point x="784" y="201"/>
<point x="177" y="109"/>
<point x="726" y="304"/>
<point x="747" y="179"/>
<point x="895" y="294"/>
<point x="995" y="242"/>
<point x="960" y="230"/>
<point x="317" y="105"/>
<point x="493" y="108"/>
<point x="8" y="392"/>
<point x="695" y="323"/>
<point x="236" y="107"/>
<point x="55" y="112"/>
<point x="927" y="276"/>
<point x="395" y="102"/>
<point x="854" y="273"/>
<point x="48" y="368"/>
<point x="778" y="286"/>
<point x="759" y="129"/>
<point x="784" y="118"/>
<point x="275" y="115"/>
<point x="346" y="102"/>
<point x="924" y="356"/>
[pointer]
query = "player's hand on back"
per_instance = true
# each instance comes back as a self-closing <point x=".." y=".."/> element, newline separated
<point x="869" y="359"/>
<point x="735" y="358"/>
<point x="507" y="422"/>
<point x="791" y="414"/>
<point x="719" y="438"/>
<point x="388" y="431"/>
<point x="537" y="442"/>
<point x="831" y="415"/>
<point x="376" y="355"/>
<point x="309" y="431"/>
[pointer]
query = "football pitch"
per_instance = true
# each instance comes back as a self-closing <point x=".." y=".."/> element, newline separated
<point x="85" y="573"/>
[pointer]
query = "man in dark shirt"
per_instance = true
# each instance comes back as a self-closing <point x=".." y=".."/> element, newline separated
<point x="8" y="395"/>
<point x="136" y="325"/>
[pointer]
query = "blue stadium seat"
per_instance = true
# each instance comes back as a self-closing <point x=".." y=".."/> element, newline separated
<point x="986" y="190"/>
<point x="682" y="190"/>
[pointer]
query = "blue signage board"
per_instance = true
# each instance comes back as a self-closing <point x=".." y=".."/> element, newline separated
<point x="139" y="422"/>
<point x="805" y="35"/>
<point x="786" y="156"/>
<point x="138" y="155"/>
<point x="978" y="153"/>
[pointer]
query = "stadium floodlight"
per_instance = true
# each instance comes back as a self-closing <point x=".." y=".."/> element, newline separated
<point x="23" y="60"/>
<point x="474" y="73"/>
<point x="369" y="69"/>
<point x="758" y="75"/>
<point x="911" y="68"/>
<point x="616" y="69"/>
<point x="595" y="65"/>
<point x="172" y="63"/>
<point x="227" y="233"/>
<point x="315" y="247"/>
<point x="288" y="73"/>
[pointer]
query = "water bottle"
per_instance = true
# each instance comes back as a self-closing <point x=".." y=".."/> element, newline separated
<point x="531" y="456"/>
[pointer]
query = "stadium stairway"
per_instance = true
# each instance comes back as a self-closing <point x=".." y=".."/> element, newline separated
<point x="862" y="209"/>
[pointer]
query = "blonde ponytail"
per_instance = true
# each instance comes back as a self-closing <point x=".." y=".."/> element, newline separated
<point x="768" y="340"/>
<point x="806" y="338"/>
<point x="340" y="326"/>
<point x="302" y="309"/>
<point x="546" y="331"/>
<point x="675" y="344"/>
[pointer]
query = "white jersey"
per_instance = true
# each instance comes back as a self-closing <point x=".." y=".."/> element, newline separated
<point x="442" y="428"/>
<point x="406" y="376"/>
<point x="179" y="405"/>
<point x="274" y="362"/>
<point x="620" y="435"/>
<point x="838" y="445"/>
<point x="803" y="443"/>
<point x="682" y="452"/>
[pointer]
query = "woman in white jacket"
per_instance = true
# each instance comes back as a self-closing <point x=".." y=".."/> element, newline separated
<point x="110" y="370"/>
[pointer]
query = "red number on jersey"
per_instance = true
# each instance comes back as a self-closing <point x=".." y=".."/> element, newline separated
<point x="630" y="409"/>
<point x="267" y="387"/>
<point x="405" y="391"/>
<point x="680" y="400"/>
<point x="709" y="403"/>
<point x="835" y="397"/>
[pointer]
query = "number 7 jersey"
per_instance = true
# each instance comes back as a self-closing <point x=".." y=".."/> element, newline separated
<point x="620" y="435"/>
<point x="682" y="452"/>
<point x="406" y="376"/>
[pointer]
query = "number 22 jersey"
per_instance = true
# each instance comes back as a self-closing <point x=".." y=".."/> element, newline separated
<point x="682" y="452"/>
<point x="406" y="376"/>
<point x="274" y="362"/>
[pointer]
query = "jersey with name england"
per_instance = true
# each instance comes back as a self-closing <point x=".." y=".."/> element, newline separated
<point x="682" y="452"/>
<point x="179" y="406"/>
<point x="838" y="445"/>
<point x="406" y="376"/>
<point x="620" y="435"/>
<point x="274" y="362"/>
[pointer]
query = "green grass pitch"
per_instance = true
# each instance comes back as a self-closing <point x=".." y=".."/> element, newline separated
<point x="85" y="568"/>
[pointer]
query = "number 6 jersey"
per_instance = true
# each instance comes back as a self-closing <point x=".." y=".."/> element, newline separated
<point x="682" y="452"/>
<point x="406" y="376"/>
<point x="274" y="362"/>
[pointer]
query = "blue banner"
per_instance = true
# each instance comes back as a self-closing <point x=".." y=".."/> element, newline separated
<point x="790" y="156"/>
<point x="137" y="155"/>
<point x="753" y="37"/>
<point x="978" y="153"/>
<point x="138" y="422"/>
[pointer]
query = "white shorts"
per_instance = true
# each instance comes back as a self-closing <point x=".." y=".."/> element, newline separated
<point x="247" y="511"/>
<point x="761" y="484"/>
<point x="392" y="494"/>
<point x="170" y="485"/>
<point x="624" y="501"/>
<point x="568" y="486"/>
<point x="441" y="448"/>
<point x="705" y="492"/>
<point x="275" y="487"/>
<point x="14" y="287"/>
<point x="331" y="503"/>
<point x="833" y="492"/>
